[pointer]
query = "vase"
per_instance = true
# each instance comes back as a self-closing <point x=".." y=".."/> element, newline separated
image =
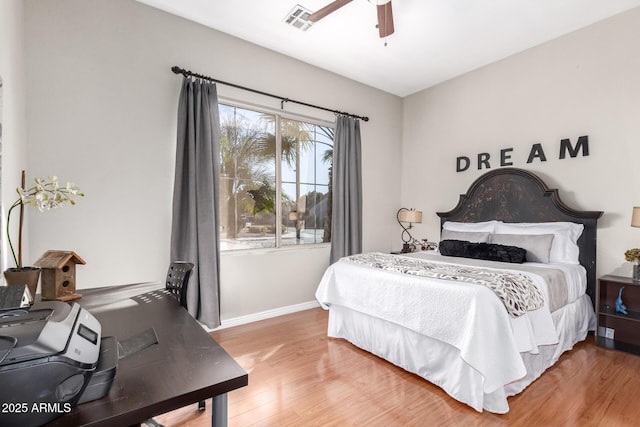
<point x="23" y="276"/>
<point x="636" y="272"/>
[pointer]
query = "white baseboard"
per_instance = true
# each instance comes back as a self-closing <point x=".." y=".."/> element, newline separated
<point x="242" y="320"/>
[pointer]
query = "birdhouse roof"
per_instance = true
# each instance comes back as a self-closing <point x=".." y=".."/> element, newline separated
<point x="58" y="259"/>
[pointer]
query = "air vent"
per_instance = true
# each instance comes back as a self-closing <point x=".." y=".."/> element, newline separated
<point x="299" y="18"/>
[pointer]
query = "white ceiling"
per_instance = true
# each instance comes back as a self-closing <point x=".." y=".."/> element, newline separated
<point x="434" y="40"/>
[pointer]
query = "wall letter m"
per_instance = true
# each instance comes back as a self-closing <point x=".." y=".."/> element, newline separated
<point x="565" y="145"/>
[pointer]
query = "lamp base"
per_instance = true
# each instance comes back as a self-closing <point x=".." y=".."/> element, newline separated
<point x="407" y="248"/>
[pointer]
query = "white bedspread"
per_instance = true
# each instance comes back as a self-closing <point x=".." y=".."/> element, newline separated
<point x="454" y="313"/>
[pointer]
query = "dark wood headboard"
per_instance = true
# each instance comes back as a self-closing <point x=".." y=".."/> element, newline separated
<point x="516" y="195"/>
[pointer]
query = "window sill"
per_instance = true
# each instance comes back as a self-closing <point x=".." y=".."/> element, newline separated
<point x="262" y="251"/>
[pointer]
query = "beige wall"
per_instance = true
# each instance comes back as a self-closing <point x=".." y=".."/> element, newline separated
<point x="101" y="108"/>
<point x="586" y="83"/>
<point x="14" y="130"/>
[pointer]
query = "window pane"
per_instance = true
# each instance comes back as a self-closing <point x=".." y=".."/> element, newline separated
<point x="323" y="154"/>
<point x="247" y="179"/>
<point x="307" y="153"/>
<point x="305" y="221"/>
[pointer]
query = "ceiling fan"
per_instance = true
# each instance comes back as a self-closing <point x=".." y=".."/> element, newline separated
<point x="385" y="15"/>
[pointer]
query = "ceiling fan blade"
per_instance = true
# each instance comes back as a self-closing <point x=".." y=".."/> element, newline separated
<point x="331" y="7"/>
<point x="385" y="19"/>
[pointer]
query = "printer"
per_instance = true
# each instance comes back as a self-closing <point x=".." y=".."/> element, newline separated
<point x="52" y="357"/>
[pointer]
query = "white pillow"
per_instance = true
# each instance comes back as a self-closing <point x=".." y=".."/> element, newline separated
<point x="477" y="227"/>
<point x="564" y="248"/>
<point x="538" y="246"/>
<point x="467" y="236"/>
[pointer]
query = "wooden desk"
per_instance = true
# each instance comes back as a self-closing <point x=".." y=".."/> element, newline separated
<point x="185" y="367"/>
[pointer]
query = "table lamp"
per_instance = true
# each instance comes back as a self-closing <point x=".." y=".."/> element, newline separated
<point x="411" y="217"/>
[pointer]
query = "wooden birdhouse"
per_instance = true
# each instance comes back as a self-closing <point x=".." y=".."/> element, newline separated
<point x="58" y="275"/>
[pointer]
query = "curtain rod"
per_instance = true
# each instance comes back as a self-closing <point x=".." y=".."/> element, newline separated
<point x="187" y="73"/>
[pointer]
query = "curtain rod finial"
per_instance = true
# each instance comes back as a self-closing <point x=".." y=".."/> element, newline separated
<point x="176" y="69"/>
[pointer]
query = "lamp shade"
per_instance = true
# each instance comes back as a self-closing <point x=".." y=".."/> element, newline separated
<point x="406" y="215"/>
<point x="635" y="217"/>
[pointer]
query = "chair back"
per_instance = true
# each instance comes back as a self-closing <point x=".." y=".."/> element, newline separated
<point x="178" y="279"/>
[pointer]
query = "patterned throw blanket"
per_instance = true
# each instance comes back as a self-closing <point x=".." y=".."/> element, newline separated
<point x="517" y="291"/>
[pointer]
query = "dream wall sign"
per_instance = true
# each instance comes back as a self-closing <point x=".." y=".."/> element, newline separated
<point x="536" y="153"/>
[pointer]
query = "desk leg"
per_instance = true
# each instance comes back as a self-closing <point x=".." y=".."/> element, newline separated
<point x="219" y="411"/>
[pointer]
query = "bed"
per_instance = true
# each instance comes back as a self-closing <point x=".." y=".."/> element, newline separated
<point x="482" y="330"/>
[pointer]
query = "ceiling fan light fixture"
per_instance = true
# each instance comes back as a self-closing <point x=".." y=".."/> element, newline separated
<point x="298" y="18"/>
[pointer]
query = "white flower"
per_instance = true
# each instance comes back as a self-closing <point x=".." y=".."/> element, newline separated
<point x="45" y="195"/>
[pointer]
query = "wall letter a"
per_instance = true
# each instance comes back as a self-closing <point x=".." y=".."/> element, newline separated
<point x="536" y="151"/>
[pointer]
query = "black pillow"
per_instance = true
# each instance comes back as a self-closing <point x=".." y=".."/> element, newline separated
<point x="485" y="251"/>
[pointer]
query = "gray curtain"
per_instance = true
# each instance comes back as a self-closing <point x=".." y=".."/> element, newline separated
<point x="346" y="219"/>
<point x="194" y="226"/>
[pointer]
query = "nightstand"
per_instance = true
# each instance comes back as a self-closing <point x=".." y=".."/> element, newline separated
<point x="615" y="330"/>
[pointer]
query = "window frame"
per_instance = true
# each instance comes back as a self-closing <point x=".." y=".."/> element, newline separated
<point x="279" y="115"/>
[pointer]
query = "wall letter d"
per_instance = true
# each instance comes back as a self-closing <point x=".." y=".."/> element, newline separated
<point x="462" y="163"/>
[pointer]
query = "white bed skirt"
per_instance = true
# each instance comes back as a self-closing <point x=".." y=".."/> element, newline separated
<point x="440" y="363"/>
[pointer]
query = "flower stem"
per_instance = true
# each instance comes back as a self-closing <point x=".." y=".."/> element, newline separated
<point x="13" y="252"/>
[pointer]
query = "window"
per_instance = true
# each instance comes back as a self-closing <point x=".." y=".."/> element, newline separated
<point x="275" y="180"/>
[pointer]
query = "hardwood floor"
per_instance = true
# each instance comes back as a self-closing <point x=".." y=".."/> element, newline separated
<point x="299" y="377"/>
